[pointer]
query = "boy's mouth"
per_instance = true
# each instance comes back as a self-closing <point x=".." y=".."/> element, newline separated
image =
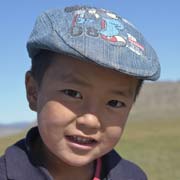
<point x="81" y="140"/>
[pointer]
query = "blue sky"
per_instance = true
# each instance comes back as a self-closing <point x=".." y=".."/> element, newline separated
<point x="158" y="20"/>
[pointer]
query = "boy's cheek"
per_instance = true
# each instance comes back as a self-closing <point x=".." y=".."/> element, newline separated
<point x="113" y="135"/>
<point x="110" y="139"/>
<point x="115" y="132"/>
<point x="54" y="113"/>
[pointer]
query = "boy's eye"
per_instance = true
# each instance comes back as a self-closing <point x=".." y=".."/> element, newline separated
<point x="116" y="104"/>
<point x="72" y="93"/>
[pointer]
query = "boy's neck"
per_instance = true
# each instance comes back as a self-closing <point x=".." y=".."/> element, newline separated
<point x="58" y="169"/>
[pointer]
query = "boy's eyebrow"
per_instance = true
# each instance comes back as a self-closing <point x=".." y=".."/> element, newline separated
<point x="125" y="92"/>
<point x="70" y="78"/>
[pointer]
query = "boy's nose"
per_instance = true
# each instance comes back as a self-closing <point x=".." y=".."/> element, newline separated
<point x="88" y="121"/>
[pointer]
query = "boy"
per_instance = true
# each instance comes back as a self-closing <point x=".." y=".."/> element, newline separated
<point x="88" y="66"/>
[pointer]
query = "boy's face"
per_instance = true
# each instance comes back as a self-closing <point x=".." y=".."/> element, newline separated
<point x="82" y="109"/>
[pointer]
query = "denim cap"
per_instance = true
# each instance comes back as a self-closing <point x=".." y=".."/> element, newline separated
<point x="96" y="35"/>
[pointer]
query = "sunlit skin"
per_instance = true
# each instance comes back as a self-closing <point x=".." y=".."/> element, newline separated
<point x="79" y="99"/>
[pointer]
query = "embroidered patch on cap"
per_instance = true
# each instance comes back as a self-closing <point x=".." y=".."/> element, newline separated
<point x="98" y="23"/>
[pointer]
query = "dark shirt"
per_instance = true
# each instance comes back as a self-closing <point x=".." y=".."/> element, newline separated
<point x="17" y="164"/>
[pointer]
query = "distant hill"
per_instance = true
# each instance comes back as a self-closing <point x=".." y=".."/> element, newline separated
<point x="158" y="100"/>
<point x="14" y="128"/>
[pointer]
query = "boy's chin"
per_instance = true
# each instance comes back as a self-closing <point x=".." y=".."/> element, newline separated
<point x="75" y="160"/>
<point x="79" y="161"/>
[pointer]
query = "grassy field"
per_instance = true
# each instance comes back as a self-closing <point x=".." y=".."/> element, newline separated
<point x="7" y="141"/>
<point x="154" y="145"/>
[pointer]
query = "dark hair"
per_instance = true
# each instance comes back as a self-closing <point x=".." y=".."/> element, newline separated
<point x="40" y="64"/>
<point x="43" y="60"/>
<point x="138" y="88"/>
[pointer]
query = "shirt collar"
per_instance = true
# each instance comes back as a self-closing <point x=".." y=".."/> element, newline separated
<point x="18" y="161"/>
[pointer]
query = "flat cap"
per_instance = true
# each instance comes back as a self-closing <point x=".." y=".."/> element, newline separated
<point x="96" y="35"/>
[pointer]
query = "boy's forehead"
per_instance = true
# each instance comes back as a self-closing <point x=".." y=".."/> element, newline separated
<point x="74" y="70"/>
<point x="96" y="35"/>
<point x="74" y="65"/>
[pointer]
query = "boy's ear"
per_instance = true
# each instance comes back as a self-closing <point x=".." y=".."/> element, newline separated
<point x="31" y="91"/>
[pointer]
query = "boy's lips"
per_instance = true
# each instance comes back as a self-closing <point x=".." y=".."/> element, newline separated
<point x="81" y="140"/>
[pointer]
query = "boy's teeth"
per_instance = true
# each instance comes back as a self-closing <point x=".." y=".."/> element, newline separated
<point x="81" y="140"/>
